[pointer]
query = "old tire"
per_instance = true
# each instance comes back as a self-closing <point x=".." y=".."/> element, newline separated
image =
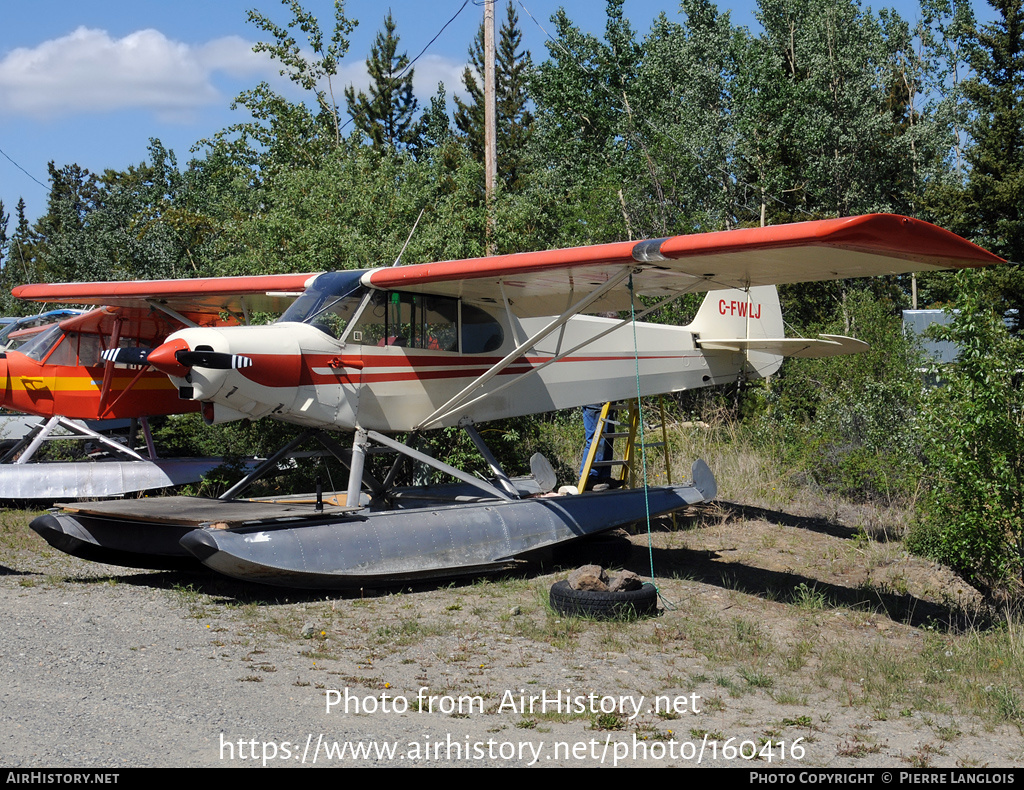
<point x="603" y="605"/>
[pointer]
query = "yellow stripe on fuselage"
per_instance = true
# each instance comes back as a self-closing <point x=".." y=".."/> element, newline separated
<point x="86" y="383"/>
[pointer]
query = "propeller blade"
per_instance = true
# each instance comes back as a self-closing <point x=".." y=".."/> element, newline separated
<point x="126" y="356"/>
<point x="214" y="360"/>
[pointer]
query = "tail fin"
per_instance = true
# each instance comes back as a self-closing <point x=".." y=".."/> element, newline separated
<point x="731" y="314"/>
<point x="750" y="322"/>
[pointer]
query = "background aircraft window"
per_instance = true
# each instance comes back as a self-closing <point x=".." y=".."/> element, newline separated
<point x="89" y="350"/>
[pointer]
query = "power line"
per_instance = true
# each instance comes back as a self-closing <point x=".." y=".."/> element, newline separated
<point x="412" y="62"/>
<point x="22" y="169"/>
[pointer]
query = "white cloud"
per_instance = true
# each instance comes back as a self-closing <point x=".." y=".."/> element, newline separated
<point x="432" y="69"/>
<point x="88" y="71"/>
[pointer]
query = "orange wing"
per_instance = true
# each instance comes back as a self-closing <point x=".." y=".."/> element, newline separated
<point x="538" y="283"/>
<point x="268" y="292"/>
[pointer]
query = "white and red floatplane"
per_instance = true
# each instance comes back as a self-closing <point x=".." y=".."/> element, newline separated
<point x="418" y="347"/>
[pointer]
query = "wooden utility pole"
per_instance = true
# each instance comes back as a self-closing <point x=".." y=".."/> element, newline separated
<point x="490" y="119"/>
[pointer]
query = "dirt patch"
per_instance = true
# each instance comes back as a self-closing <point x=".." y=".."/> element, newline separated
<point x="783" y="639"/>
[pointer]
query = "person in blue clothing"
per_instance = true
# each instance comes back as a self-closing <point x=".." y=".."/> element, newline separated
<point x="599" y="475"/>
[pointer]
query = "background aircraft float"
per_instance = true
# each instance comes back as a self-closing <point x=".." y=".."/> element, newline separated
<point x="417" y="347"/>
<point x="55" y="369"/>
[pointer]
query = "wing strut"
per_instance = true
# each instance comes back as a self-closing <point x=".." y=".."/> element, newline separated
<point x="108" y="368"/>
<point x="172" y="313"/>
<point x="563" y="354"/>
<point x="518" y="351"/>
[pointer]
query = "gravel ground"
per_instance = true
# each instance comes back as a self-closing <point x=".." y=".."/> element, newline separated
<point x="112" y="667"/>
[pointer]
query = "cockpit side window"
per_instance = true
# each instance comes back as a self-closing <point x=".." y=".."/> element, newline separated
<point x="427" y="322"/>
<point x="410" y="321"/>
<point x="480" y="332"/>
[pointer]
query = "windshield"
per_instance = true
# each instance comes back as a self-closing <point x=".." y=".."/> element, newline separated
<point x="328" y="303"/>
<point x="40" y="345"/>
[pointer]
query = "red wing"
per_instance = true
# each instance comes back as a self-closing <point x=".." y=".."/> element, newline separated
<point x="545" y="282"/>
<point x="210" y="295"/>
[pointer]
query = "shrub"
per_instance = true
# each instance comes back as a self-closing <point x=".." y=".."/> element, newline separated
<point x="847" y="423"/>
<point x="973" y="431"/>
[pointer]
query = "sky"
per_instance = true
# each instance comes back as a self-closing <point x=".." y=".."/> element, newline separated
<point x="91" y="81"/>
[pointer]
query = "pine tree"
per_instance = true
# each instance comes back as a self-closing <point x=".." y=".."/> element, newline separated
<point x="515" y="121"/>
<point x="996" y="180"/>
<point x="433" y="128"/>
<point x="986" y="207"/>
<point x="387" y="115"/>
<point x="21" y="250"/>
<point x="4" y="240"/>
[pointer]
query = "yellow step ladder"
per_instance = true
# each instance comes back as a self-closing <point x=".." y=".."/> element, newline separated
<point x="621" y="420"/>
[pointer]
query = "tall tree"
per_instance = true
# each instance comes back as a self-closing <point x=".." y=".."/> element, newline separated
<point x="514" y="119"/>
<point x="66" y="247"/>
<point x="816" y="108"/>
<point x="581" y="128"/>
<point x="945" y="31"/>
<point x="985" y="204"/>
<point x="283" y="134"/>
<point x="996" y="180"/>
<point x="310" y="72"/>
<point x="387" y="114"/>
<point x="22" y="243"/>
<point x="434" y="127"/>
<point x="682" y="111"/>
<point x="4" y="238"/>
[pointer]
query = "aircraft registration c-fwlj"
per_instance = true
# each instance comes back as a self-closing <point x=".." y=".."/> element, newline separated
<point x="421" y="346"/>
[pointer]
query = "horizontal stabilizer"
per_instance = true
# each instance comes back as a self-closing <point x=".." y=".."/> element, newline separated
<point x="802" y="347"/>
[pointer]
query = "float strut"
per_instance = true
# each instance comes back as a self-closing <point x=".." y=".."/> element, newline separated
<point x="355" y="472"/>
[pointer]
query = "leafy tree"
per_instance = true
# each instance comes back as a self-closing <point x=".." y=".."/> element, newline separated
<point x="356" y="210"/>
<point x="579" y="89"/>
<point x="973" y="427"/>
<point x="818" y="84"/>
<point x="387" y="115"/>
<point x="284" y="134"/>
<point x="514" y="119"/>
<point x="579" y="129"/>
<point x="148" y="218"/>
<point x="65" y="248"/>
<point x="434" y="127"/>
<point x="148" y="221"/>
<point x="310" y="73"/>
<point x="946" y="31"/>
<point x="682" y="106"/>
